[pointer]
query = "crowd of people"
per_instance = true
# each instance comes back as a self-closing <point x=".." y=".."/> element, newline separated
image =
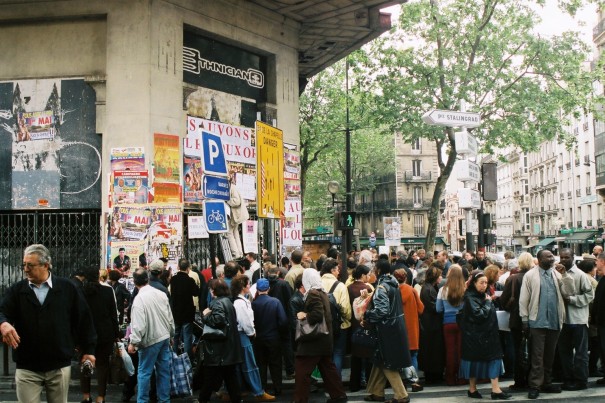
<point x="458" y="320"/>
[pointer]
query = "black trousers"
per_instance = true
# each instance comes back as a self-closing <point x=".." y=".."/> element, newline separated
<point x="214" y="376"/>
<point x="268" y="355"/>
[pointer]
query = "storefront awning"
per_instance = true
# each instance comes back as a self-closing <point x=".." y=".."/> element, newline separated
<point x="545" y="242"/>
<point x="580" y="237"/>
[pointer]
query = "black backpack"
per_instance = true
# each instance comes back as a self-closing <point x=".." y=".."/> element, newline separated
<point x="335" y="311"/>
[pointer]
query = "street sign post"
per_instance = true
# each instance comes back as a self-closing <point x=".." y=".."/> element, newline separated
<point x="213" y="157"/>
<point x="215" y="215"/>
<point x="215" y="187"/>
<point x="438" y="117"/>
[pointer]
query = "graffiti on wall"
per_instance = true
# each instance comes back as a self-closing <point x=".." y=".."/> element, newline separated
<point x="49" y="151"/>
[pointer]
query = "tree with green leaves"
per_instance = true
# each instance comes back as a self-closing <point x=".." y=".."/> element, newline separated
<point x="486" y="53"/>
<point x="322" y="137"/>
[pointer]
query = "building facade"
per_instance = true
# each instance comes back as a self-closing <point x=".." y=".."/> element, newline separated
<point x="81" y="79"/>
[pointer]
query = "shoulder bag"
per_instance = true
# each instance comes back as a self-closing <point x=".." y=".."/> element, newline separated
<point x="305" y="331"/>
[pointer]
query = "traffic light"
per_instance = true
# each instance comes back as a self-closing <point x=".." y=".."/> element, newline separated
<point x="346" y="220"/>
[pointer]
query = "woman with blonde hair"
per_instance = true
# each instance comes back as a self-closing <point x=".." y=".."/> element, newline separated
<point x="450" y="300"/>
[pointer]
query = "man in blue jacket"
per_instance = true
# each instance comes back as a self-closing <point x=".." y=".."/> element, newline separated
<point x="272" y="323"/>
<point x="44" y="318"/>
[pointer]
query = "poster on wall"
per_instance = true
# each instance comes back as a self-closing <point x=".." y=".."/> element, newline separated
<point x="127" y="159"/>
<point x="196" y="227"/>
<point x="166" y="192"/>
<point x="49" y="151"/>
<point x="133" y="250"/>
<point x="238" y="147"/>
<point x="250" y="236"/>
<point x="165" y="236"/>
<point x="291" y="228"/>
<point x="129" y="223"/>
<point x="392" y="231"/>
<point x="130" y="187"/>
<point x="192" y="178"/>
<point x="166" y="158"/>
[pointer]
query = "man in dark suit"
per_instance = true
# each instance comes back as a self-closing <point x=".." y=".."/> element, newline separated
<point x="44" y="318"/>
<point x="182" y="290"/>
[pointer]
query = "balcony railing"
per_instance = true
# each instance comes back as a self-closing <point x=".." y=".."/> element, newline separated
<point x="588" y="191"/>
<point x="410" y="204"/>
<point x="422" y="176"/>
<point x="569" y="194"/>
<point x="579" y="224"/>
<point x="562" y="196"/>
<point x="587" y="160"/>
<point x="568" y="165"/>
<point x="589" y="223"/>
<point x="578" y="192"/>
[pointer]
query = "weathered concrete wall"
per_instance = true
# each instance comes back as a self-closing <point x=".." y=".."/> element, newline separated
<point x="131" y="53"/>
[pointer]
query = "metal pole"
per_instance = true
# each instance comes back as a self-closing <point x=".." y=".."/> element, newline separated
<point x="346" y="234"/>
<point x="470" y="245"/>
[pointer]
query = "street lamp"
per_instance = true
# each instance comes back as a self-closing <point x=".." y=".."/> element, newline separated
<point x="333" y="188"/>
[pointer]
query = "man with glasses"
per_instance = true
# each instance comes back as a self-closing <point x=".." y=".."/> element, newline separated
<point x="44" y="318"/>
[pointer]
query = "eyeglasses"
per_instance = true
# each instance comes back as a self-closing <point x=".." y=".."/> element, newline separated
<point x="30" y="265"/>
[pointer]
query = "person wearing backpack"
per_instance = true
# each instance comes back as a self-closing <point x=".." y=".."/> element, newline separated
<point x="340" y="307"/>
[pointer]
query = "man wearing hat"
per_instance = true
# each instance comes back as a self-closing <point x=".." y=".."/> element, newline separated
<point x="271" y="320"/>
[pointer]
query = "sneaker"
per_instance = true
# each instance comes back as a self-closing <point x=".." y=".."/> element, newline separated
<point x="265" y="397"/>
<point x="533" y="394"/>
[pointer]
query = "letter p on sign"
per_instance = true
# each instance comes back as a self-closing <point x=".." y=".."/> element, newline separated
<point x="213" y="158"/>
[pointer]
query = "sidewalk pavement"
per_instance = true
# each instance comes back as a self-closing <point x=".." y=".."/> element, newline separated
<point x="433" y="394"/>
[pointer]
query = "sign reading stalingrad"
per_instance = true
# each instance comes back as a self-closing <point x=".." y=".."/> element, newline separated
<point x="438" y="117"/>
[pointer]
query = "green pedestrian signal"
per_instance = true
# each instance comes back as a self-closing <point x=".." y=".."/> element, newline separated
<point x="346" y="220"/>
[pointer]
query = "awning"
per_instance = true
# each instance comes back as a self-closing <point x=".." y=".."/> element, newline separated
<point x="580" y="237"/>
<point x="545" y="242"/>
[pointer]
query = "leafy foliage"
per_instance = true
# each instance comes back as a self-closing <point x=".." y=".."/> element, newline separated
<point x="484" y="52"/>
<point x="322" y="135"/>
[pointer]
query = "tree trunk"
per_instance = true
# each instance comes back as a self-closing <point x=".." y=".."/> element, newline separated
<point x="446" y="171"/>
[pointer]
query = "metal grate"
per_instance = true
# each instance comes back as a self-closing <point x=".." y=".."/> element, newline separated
<point x="196" y="250"/>
<point x="72" y="237"/>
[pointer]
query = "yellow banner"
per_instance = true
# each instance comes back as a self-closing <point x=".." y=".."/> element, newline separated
<point x="269" y="171"/>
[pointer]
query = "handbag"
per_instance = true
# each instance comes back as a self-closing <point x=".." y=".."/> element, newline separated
<point x="214" y="334"/>
<point x="365" y="338"/>
<point x="305" y="331"/>
<point x="360" y="305"/>
<point x="180" y="375"/>
<point x="117" y="371"/>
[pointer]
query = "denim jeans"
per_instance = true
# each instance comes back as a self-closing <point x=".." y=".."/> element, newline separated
<point x="414" y="357"/>
<point x="184" y="333"/>
<point x="157" y="355"/>
<point x="573" y="352"/>
<point x="248" y="368"/>
<point x="340" y="346"/>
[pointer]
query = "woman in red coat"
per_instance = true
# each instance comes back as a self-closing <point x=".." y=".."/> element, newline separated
<point x="412" y="309"/>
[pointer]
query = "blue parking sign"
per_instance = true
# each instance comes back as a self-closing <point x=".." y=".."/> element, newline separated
<point x="215" y="215"/>
<point x="213" y="158"/>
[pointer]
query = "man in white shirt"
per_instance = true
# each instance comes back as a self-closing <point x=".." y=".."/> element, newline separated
<point x="152" y="328"/>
